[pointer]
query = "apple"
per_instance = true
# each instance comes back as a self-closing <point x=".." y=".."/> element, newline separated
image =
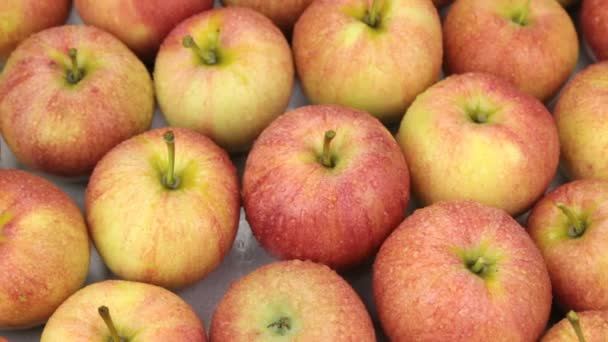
<point x="291" y="301"/>
<point x="475" y="136"/>
<point x="44" y="249"/>
<point x="20" y="18"/>
<point x="284" y="13"/>
<point x="116" y="311"/>
<point x="581" y="114"/>
<point x="68" y="95"/>
<point x="588" y="326"/>
<point x="2" y="339"/>
<point x="325" y="183"/>
<point x="163" y="207"/>
<point x="594" y="25"/>
<point x="141" y="24"/>
<point x="375" y="56"/>
<point x="570" y="227"/>
<point x="225" y="73"/>
<point x="532" y="44"/>
<point x="461" y="271"/>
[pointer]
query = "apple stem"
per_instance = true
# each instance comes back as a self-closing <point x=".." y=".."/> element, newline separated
<point x="281" y="326"/>
<point x="75" y="74"/>
<point x="576" y="325"/>
<point x="522" y="16"/>
<point x="104" y="312"/>
<point x="479" y="265"/>
<point x="372" y="17"/>
<point x="170" y="180"/>
<point x="326" y="157"/>
<point x="208" y="56"/>
<point x="577" y="227"/>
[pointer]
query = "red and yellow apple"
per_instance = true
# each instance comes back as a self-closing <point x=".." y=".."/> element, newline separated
<point x="375" y="56"/>
<point x="70" y="94"/>
<point x="129" y="311"/>
<point x="226" y="73"/>
<point x="21" y="18"/>
<point x="44" y="249"/>
<point x="587" y="326"/>
<point x="570" y="227"/>
<point x="475" y="136"/>
<point x="532" y="44"/>
<point x="284" y="13"/>
<point x="594" y="25"/>
<point x="581" y="114"/>
<point x="291" y="301"/>
<point x="141" y="24"/>
<point x="163" y="207"/>
<point x="325" y="183"/>
<point x="461" y="271"/>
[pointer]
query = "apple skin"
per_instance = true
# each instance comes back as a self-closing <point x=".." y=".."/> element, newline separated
<point x="62" y="128"/>
<point x="424" y="290"/>
<point x="140" y="312"/>
<point x="233" y="101"/>
<point x="284" y="13"/>
<point x="506" y="162"/>
<point x="593" y="323"/>
<point x="341" y="60"/>
<point x="320" y="304"/>
<point x="44" y="249"/>
<point x="141" y="24"/>
<point x="177" y="236"/>
<point x="581" y="114"/>
<point x="21" y="18"/>
<point x="299" y="209"/>
<point x="538" y="58"/>
<point x="577" y="265"/>
<point x="594" y="24"/>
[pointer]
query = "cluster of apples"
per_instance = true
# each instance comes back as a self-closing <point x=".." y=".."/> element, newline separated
<point x="325" y="187"/>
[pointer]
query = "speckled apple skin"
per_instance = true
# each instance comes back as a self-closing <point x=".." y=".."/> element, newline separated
<point x="593" y="323"/>
<point x="341" y="60"/>
<point x="20" y="18"/>
<point x="231" y="102"/>
<point x="64" y="129"/>
<point x="44" y="249"/>
<point x="284" y="13"/>
<point x="479" y="36"/>
<point x="594" y="24"/>
<point x="141" y="24"/>
<point x="581" y="114"/>
<point x="140" y="312"/>
<point x="507" y="162"/>
<point x="578" y="266"/>
<point x="322" y="306"/>
<point x="424" y="292"/>
<point x="299" y="209"/>
<point x="145" y="232"/>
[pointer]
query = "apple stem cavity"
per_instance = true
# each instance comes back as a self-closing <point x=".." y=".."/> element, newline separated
<point x="521" y="17"/>
<point x="576" y="225"/>
<point x="479" y="266"/>
<point x="104" y="312"/>
<point x="372" y="18"/>
<point x="170" y="180"/>
<point x="209" y="56"/>
<point x="75" y="75"/>
<point x="576" y="325"/>
<point x="326" y="159"/>
<point x="281" y="326"/>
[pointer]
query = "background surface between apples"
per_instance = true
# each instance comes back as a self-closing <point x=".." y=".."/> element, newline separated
<point x="246" y="254"/>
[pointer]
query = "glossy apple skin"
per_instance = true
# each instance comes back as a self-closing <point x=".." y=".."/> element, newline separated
<point x="146" y="232"/>
<point x="284" y="13"/>
<point x="581" y="114"/>
<point x="62" y="128"/>
<point x="44" y="249"/>
<point x="594" y="24"/>
<point x="140" y="312"/>
<point x="593" y="323"/>
<point x="233" y="101"/>
<point x="507" y="162"/>
<point x="577" y="266"/>
<point x="21" y="18"/>
<point x="424" y="291"/>
<point x="299" y="209"/>
<point x="479" y="36"/>
<point x="141" y="24"/>
<point x="321" y="305"/>
<point x="341" y="60"/>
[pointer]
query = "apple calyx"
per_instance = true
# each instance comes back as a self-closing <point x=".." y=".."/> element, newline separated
<point x="104" y="312"/>
<point x="576" y="325"/>
<point x="281" y="326"/>
<point x="75" y="74"/>
<point x="479" y="267"/>
<point x="170" y="180"/>
<point x="521" y="16"/>
<point x="326" y="159"/>
<point x="576" y="225"/>
<point x="209" y="56"/>
<point x="372" y="17"/>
